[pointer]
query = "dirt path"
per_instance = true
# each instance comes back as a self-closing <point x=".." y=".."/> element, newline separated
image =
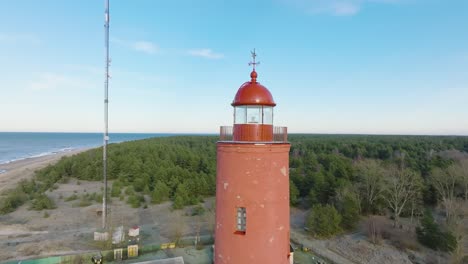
<point x="319" y="247"/>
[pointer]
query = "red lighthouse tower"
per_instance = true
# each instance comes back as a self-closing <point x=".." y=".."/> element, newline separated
<point x="252" y="182"/>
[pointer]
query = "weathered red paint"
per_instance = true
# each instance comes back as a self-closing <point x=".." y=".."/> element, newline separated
<point x="254" y="176"/>
<point x="253" y="93"/>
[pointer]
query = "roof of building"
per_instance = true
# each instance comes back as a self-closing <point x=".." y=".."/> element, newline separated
<point x="253" y="93"/>
<point x="176" y="260"/>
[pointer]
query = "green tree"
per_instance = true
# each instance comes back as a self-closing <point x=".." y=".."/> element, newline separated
<point x="348" y="207"/>
<point x="160" y="192"/>
<point x="430" y="235"/>
<point x="293" y="193"/>
<point x="323" y="221"/>
<point x="136" y="200"/>
<point x="116" y="189"/>
<point x="181" y="197"/>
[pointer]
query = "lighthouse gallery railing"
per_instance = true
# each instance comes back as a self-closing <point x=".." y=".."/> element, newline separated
<point x="280" y="134"/>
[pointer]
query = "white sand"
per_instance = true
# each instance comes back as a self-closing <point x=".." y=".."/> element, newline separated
<point x="24" y="169"/>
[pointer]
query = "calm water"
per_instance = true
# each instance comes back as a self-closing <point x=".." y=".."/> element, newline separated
<point x="18" y="145"/>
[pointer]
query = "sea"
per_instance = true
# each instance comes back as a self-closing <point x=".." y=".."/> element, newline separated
<point x="16" y="146"/>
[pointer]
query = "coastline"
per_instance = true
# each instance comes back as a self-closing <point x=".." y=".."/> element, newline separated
<point x="16" y="171"/>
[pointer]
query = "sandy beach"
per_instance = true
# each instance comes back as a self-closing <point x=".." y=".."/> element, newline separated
<point x="24" y="169"/>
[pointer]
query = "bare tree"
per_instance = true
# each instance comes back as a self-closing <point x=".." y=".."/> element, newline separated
<point x="210" y="219"/>
<point x="197" y="225"/>
<point x="445" y="181"/>
<point x="374" y="229"/>
<point x="348" y="191"/>
<point x="371" y="175"/>
<point x="416" y="205"/>
<point x="458" y="227"/>
<point x="401" y="187"/>
<point x="464" y="177"/>
<point x="176" y="227"/>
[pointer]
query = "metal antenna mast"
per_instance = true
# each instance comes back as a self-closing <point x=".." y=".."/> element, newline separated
<point x="106" y="110"/>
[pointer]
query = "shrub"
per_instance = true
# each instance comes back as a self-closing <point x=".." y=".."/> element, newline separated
<point x="324" y="221"/>
<point x="135" y="200"/>
<point x="42" y="202"/>
<point x="116" y="189"/>
<point x="96" y="197"/>
<point x="109" y="257"/>
<point x="84" y="201"/>
<point x="129" y="190"/>
<point x="28" y="187"/>
<point x="64" y="180"/>
<point x="198" y="210"/>
<point x="430" y="235"/>
<point x="11" y="201"/>
<point x="71" y="198"/>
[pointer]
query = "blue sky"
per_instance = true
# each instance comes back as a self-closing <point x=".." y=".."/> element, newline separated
<point x="333" y="66"/>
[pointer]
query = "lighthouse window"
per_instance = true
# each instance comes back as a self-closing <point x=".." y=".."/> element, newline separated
<point x="240" y="115"/>
<point x="268" y="115"/>
<point x="241" y="219"/>
<point x="254" y="115"/>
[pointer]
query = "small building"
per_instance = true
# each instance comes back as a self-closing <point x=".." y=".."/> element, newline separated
<point x="118" y="235"/>
<point x="132" y="251"/>
<point x="118" y="253"/>
<point x="134" y="231"/>
<point x="101" y="236"/>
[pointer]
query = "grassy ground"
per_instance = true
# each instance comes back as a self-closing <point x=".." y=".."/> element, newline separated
<point x="301" y="257"/>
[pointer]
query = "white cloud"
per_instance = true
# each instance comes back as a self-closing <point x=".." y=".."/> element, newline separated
<point x="206" y="53"/>
<point x="19" y="38"/>
<point x="336" y="7"/>
<point x="49" y="80"/>
<point x="147" y="47"/>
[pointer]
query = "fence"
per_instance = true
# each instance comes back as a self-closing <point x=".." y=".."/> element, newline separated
<point x="280" y="134"/>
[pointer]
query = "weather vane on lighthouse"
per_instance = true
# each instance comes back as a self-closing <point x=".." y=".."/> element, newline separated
<point x="253" y="62"/>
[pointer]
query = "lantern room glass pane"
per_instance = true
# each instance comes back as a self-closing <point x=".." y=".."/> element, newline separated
<point x="254" y="115"/>
<point x="268" y="115"/>
<point x="240" y="115"/>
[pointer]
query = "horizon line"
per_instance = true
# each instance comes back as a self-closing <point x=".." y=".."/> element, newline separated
<point x="217" y="133"/>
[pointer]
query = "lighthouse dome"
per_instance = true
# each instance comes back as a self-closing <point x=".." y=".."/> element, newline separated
<point x="253" y="93"/>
